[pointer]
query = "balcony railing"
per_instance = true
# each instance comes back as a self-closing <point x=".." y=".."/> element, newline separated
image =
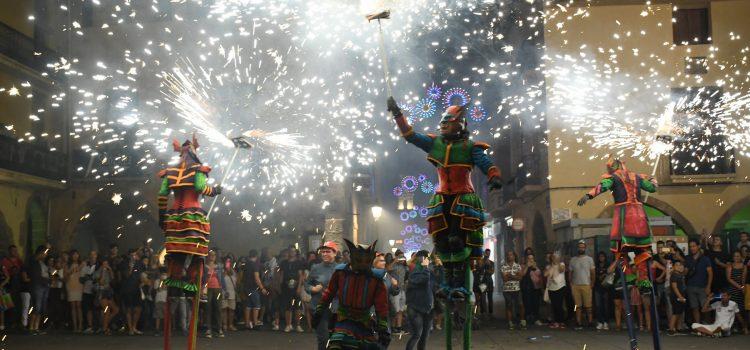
<point x="31" y="159"/>
<point x="22" y="49"/>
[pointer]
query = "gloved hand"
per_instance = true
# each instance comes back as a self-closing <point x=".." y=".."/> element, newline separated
<point x="384" y="337"/>
<point x="317" y="315"/>
<point x="393" y="107"/>
<point x="584" y="199"/>
<point x="495" y="183"/>
<point x="218" y="189"/>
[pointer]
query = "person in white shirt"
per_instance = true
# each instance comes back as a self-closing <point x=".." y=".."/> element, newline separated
<point x="726" y="310"/>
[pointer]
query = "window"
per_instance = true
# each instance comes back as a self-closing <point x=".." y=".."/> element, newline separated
<point x="691" y="26"/>
<point x="696" y="65"/>
<point x="700" y="149"/>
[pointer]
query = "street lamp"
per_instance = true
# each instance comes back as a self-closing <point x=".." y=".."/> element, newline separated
<point x="377" y="211"/>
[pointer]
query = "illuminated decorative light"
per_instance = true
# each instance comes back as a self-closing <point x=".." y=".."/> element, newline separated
<point x="454" y="93"/>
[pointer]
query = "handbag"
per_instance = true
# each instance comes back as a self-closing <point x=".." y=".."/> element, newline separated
<point x="546" y="295"/>
<point x="609" y="280"/>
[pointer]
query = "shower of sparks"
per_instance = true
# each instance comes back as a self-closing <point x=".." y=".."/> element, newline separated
<point x="303" y="82"/>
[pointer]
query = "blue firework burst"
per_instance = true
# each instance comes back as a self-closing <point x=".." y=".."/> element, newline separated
<point x="434" y="92"/>
<point x="425" y="108"/>
<point x="478" y="114"/>
<point x="459" y="95"/>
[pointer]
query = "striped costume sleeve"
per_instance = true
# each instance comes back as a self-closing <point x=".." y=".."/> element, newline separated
<point x="330" y="292"/>
<point x="381" y="304"/>
<point x="201" y="185"/>
<point x="603" y="186"/>
<point x="163" y="194"/>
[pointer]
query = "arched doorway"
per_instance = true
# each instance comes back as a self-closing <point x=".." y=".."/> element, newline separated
<point x="36" y="228"/>
<point x="735" y="220"/>
<point x="105" y="222"/>
<point x="6" y="236"/>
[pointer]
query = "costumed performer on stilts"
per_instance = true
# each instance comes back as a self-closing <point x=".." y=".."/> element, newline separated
<point x="630" y="230"/>
<point x="186" y="230"/>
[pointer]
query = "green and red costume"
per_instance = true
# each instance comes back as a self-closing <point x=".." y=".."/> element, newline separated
<point x="630" y="232"/>
<point x="630" y="229"/>
<point x="455" y="213"/>
<point x="186" y="230"/>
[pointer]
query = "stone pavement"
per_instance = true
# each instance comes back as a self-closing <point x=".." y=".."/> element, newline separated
<point x="490" y="337"/>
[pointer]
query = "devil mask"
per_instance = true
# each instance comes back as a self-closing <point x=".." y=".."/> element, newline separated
<point x="360" y="256"/>
<point x="187" y="152"/>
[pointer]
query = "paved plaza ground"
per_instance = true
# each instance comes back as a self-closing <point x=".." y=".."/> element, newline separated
<point x="490" y="337"/>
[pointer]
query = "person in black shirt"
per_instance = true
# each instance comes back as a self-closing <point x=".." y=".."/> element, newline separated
<point x="131" y="273"/>
<point x="290" y="284"/>
<point x="253" y="287"/>
<point x="719" y="261"/>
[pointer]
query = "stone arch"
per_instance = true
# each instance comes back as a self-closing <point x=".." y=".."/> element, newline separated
<point x="6" y="235"/>
<point x="733" y="209"/>
<point x="101" y="222"/>
<point x="676" y="216"/>
<point x="35" y="231"/>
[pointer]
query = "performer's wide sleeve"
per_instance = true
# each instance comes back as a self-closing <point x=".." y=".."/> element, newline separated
<point x="603" y="186"/>
<point x="647" y="185"/>
<point x="201" y="185"/>
<point x="483" y="161"/>
<point x="424" y="142"/>
<point x="330" y="292"/>
<point x="381" y="304"/>
<point x="163" y="194"/>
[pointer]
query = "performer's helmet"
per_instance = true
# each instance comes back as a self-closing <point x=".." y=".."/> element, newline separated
<point x="454" y="114"/>
<point x="360" y="256"/>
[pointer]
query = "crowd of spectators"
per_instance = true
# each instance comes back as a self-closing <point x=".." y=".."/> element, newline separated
<point x="702" y="290"/>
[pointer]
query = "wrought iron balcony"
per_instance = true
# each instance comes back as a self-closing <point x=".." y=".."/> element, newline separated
<point x="31" y="159"/>
<point x="22" y="49"/>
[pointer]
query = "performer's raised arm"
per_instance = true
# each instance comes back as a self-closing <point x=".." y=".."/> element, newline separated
<point x="422" y="141"/>
<point x="603" y="186"/>
<point x="201" y="183"/>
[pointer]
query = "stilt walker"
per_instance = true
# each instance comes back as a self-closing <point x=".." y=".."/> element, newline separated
<point x="186" y="231"/>
<point x="630" y="232"/>
<point x="455" y="213"/>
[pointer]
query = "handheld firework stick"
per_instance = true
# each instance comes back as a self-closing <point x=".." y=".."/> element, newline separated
<point x="385" y="14"/>
<point x="239" y="143"/>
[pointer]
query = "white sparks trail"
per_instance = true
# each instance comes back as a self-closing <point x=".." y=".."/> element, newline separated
<point x="303" y="82"/>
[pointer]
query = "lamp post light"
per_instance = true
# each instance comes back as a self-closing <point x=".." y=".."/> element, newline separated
<point x="377" y="211"/>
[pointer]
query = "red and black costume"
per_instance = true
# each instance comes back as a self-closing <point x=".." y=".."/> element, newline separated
<point x="358" y="289"/>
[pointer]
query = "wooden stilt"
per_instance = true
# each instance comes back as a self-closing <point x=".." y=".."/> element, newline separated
<point x="193" y="334"/>
<point x="626" y="305"/>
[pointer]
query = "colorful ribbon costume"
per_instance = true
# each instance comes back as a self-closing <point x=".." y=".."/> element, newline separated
<point x="358" y="289"/>
<point x="186" y="229"/>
